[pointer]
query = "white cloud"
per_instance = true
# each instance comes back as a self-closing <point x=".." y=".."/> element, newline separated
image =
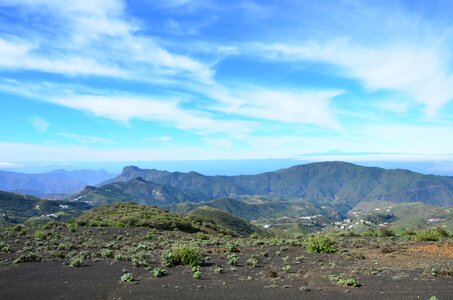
<point x="126" y="108"/>
<point x="40" y="124"/>
<point x="282" y="105"/>
<point x="419" y="71"/>
<point x="165" y="138"/>
<point x="85" y="139"/>
<point x="93" y="38"/>
<point x="393" y="106"/>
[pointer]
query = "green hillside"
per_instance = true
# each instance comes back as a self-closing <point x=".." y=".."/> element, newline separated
<point x="135" y="215"/>
<point x="15" y="208"/>
<point x="136" y="190"/>
<point x="238" y="226"/>
<point x="405" y="215"/>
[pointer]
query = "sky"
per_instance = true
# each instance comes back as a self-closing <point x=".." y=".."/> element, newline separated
<point x="111" y="81"/>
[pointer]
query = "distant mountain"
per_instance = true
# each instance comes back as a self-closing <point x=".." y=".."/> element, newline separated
<point x="15" y="208"/>
<point x="136" y="190"/>
<point x="340" y="183"/>
<point x="55" y="182"/>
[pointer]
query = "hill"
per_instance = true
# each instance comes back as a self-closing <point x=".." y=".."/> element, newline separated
<point x="224" y="219"/>
<point x="136" y="190"/>
<point x="343" y="184"/>
<point x="135" y="215"/>
<point x="55" y="182"/>
<point x="15" y="208"/>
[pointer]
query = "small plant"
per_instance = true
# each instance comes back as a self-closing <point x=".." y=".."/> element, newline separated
<point x="4" y="247"/>
<point x="196" y="271"/>
<point x="348" y="282"/>
<point x="285" y="259"/>
<point x="218" y="270"/>
<point x="231" y="247"/>
<point x="77" y="261"/>
<point x="127" y="277"/>
<point x="29" y="257"/>
<point x="233" y="260"/>
<point x="320" y="244"/>
<point x="106" y="253"/>
<point x="120" y="256"/>
<point x="252" y="261"/>
<point x="299" y="259"/>
<point x="150" y="235"/>
<point x="40" y="235"/>
<point x="202" y="236"/>
<point x="158" y="272"/>
<point x="286" y="268"/>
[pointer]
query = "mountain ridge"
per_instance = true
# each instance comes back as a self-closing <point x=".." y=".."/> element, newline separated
<point x="337" y="182"/>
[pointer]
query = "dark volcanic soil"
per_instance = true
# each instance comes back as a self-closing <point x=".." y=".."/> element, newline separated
<point x="386" y="268"/>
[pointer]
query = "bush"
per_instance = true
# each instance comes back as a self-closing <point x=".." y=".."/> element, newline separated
<point x="40" y="235"/>
<point x="127" y="277"/>
<point x="185" y="255"/>
<point x="348" y="282"/>
<point x="386" y="232"/>
<point x="77" y="261"/>
<point x="106" y="253"/>
<point x="150" y="236"/>
<point x="4" y="247"/>
<point x="233" y="260"/>
<point x="320" y="244"/>
<point x="29" y="257"/>
<point x="158" y="272"/>
<point x="232" y="247"/>
<point x="427" y="235"/>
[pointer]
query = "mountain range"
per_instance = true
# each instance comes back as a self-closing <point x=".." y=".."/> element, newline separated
<point x="55" y="182"/>
<point x="339" y="183"/>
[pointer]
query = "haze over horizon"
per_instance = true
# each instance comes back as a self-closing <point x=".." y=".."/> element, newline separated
<point x="107" y="83"/>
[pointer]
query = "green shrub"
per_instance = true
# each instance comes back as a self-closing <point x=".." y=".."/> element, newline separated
<point x="233" y="259"/>
<point x="196" y="271"/>
<point x="408" y="232"/>
<point x="77" y="261"/>
<point x="320" y="244"/>
<point x="386" y="232"/>
<point x="184" y="254"/>
<point x="427" y="235"/>
<point x="348" y="282"/>
<point x="29" y="257"/>
<point x="442" y="232"/>
<point x="127" y="277"/>
<point x="158" y="272"/>
<point x="4" y="247"/>
<point x="40" y="235"/>
<point x="252" y="261"/>
<point x="150" y="236"/>
<point x="231" y="247"/>
<point x="106" y="253"/>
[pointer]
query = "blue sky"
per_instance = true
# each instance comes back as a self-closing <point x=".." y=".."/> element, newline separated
<point x="113" y="81"/>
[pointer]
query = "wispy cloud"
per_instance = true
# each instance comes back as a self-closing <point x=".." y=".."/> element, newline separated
<point x="283" y="105"/>
<point x="126" y="108"/>
<point x="417" y="71"/>
<point x="84" y="139"/>
<point x="94" y="38"/>
<point x="40" y="124"/>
